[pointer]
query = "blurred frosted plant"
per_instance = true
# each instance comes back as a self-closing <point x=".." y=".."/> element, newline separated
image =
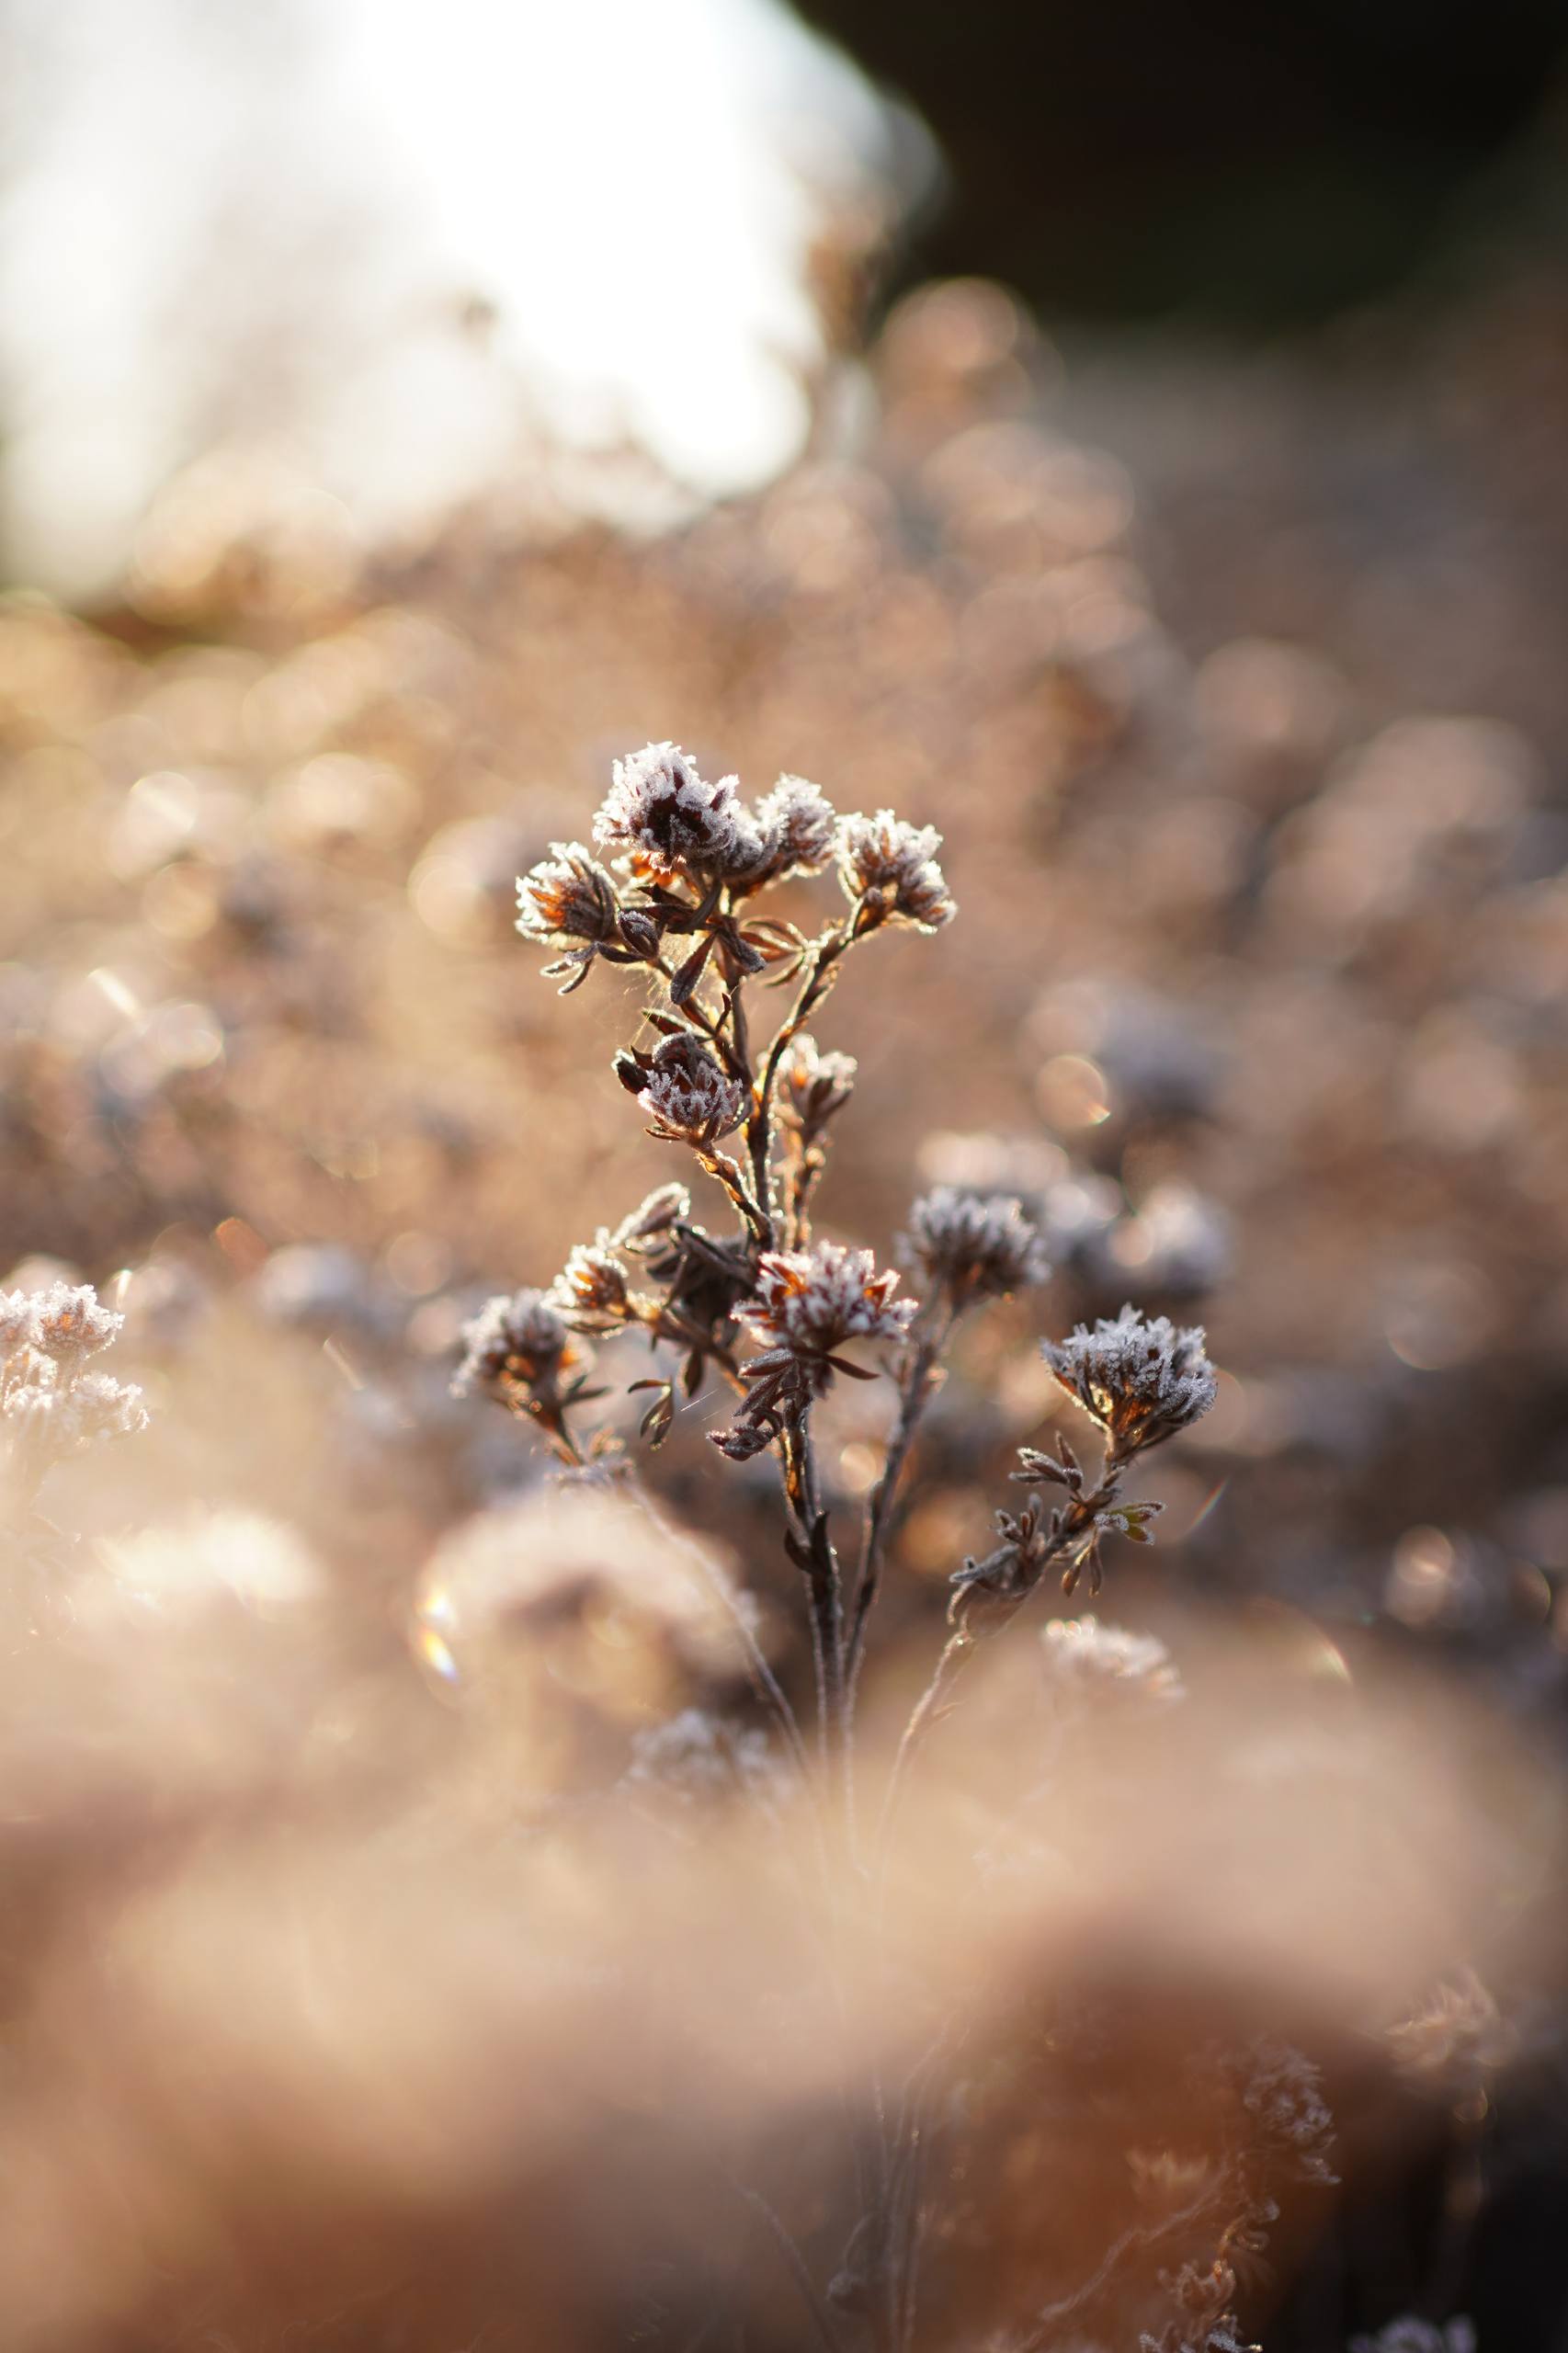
<point x="700" y="1759"/>
<point x="1410" y="2334"/>
<point x="519" y="1350"/>
<point x="50" y="1404"/>
<point x="975" y="1246"/>
<point x="1083" y="1656"/>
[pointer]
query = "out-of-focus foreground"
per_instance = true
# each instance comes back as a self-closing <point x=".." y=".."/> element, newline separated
<point x="392" y="1958"/>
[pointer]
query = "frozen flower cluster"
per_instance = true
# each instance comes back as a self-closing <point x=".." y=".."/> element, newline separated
<point x="978" y="1245"/>
<point x="569" y="902"/>
<point x="50" y="1404"/>
<point x="889" y="870"/>
<point x="1140" y="1378"/>
<point x="1085" y="1656"/>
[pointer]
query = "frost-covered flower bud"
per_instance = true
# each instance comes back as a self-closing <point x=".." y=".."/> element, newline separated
<point x="1141" y="1378"/>
<point x="590" y="1291"/>
<point x="811" y="1086"/>
<point x="567" y="897"/>
<point x="665" y="816"/>
<point x="517" y="1341"/>
<point x="568" y="901"/>
<point x="69" y="1326"/>
<point x="102" y="1407"/>
<point x="803" y="822"/>
<point x="888" y="869"/>
<point x="980" y="1246"/>
<point x="687" y="1092"/>
<point x="650" y="1222"/>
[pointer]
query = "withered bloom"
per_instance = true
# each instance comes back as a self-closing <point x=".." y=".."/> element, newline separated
<point x="1142" y="1379"/>
<point x="568" y="901"/>
<point x="803" y="824"/>
<point x="979" y="1245"/>
<point x="888" y="869"/>
<point x="811" y="1086"/>
<point x="516" y="1343"/>
<point x="685" y="1089"/>
<point x="590" y="1293"/>
<point x="669" y="822"/>
<point x="806" y="1305"/>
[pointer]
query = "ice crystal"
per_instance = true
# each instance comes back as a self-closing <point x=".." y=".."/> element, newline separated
<point x="1142" y="1379"/>
<point x="980" y="1246"/>
<point x="889" y="869"/>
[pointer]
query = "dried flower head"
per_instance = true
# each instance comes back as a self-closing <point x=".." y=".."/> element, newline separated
<point x="568" y="901"/>
<point x="1142" y="1379"/>
<point x="689" y="1095"/>
<point x="648" y="1227"/>
<point x="666" y="819"/>
<point x="980" y="1245"/>
<point x="807" y="1303"/>
<point x="1084" y="1655"/>
<point x="18" y="1321"/>
<point x="1282" y="2092"/>
<point x="801" y="821"/>
<point x="811" y="1086"/>
<point x="1009" y="1573"/>
<point x="889" y="870"/>
<point x="517" y="1342"/>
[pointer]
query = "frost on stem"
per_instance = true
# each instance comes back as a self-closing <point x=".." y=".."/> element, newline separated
<point x="807" y="1305"/>
<point x="1141" y="1378"/>
<point x="976" y="1245"/>
<point x="888" y="872"/>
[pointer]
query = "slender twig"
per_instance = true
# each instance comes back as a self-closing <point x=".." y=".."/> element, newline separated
<point x="793" y="2258"/>
<point x="819" y="978"/>
<point x="917" y="1390"/>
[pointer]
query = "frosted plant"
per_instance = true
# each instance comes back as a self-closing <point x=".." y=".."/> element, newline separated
<point x="1084" y="1657"/>
<point x="1409" y="2335"/>
<point x="753" y="1320"/>
<point x="980" y="1246"/>
<point x="51" y="1405"/>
